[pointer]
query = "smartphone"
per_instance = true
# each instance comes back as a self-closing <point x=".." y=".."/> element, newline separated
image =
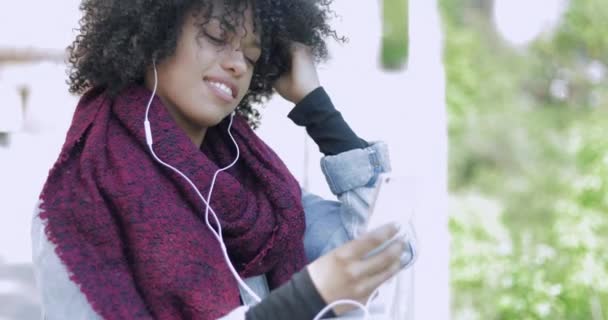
<point x="393" y="201"/>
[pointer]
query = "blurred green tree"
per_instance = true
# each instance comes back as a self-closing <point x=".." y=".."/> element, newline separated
<point x="528" y="166"/>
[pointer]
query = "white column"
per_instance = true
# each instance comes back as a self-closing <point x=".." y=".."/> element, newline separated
<point x="426" y="91"/>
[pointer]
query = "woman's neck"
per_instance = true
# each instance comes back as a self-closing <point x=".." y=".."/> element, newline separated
<point x="195" y="132"/>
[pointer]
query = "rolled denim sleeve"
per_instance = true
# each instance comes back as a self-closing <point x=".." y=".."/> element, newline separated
<point x="355" y="168"/>
<point x="352" y="177"/>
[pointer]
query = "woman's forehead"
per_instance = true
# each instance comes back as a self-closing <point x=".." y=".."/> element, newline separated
<point x="233" y="16"/>
<point x="234" y="10"/>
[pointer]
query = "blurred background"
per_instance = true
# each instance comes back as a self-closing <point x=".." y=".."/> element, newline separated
<point x="494" y="109"/>
<point x="527" y="101"/>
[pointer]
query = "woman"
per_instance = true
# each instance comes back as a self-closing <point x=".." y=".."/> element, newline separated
<point x="163" y="196"/>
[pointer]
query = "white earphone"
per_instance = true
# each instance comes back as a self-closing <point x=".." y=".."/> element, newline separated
<point x="218" y="234"/>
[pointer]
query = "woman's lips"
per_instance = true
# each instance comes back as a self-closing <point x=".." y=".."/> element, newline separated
<point x="222" y="88"/>
<point x="220" y="93"/>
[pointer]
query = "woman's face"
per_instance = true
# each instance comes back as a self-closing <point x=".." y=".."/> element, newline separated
<point x="209" y="73"/>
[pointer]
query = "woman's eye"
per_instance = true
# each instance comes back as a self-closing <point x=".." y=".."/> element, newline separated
<point x="252" y="61"/>
<point x="215" y="39"/>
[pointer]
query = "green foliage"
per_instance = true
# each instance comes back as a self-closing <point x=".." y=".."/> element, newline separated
<point x="528" y="168"/>
<point x="584" y="30"/>
<point x="394" y="34"/>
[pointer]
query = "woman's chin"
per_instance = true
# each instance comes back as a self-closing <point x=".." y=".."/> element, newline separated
<point x="212" y="120"/>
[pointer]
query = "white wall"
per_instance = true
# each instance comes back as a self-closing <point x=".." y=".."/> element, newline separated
<point x="34" y="139"/>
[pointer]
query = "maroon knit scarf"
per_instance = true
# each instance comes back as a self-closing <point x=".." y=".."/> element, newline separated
<point x="132" y="233"/>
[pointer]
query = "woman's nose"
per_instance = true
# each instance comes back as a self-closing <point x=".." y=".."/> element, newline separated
<point x="234" y="61"/>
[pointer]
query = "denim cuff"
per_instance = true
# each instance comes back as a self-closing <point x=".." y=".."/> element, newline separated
<point x="356" y="168"/>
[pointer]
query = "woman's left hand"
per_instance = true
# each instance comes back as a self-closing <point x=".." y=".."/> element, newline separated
<point x="302" y="79"/>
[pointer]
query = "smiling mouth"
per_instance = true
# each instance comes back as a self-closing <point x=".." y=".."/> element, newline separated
<point x="221" y="91"/>
<point x="220" y="86"/>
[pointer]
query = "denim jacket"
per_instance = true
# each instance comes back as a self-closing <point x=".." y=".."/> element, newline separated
<point x="351" y="176"/>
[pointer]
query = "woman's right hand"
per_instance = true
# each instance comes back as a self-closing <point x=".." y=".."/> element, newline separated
<point x="344" y="274"/>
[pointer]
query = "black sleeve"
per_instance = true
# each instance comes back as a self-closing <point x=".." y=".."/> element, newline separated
<point x="324" y="124"/>
<point x="297" y="299"/>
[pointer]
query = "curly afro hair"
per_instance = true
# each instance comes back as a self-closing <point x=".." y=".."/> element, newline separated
<point x="119" y="39"/>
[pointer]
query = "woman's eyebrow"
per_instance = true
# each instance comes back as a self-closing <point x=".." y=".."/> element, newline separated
<point x="253" y="42"/>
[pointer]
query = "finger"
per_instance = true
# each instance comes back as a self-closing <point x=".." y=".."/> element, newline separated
<point x="369" y="284"/>
<point x="380" y="262"/>
<point x="357" y="248"/>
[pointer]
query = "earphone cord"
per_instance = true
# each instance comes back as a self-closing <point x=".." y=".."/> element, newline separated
<point x="217" y="234"/>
